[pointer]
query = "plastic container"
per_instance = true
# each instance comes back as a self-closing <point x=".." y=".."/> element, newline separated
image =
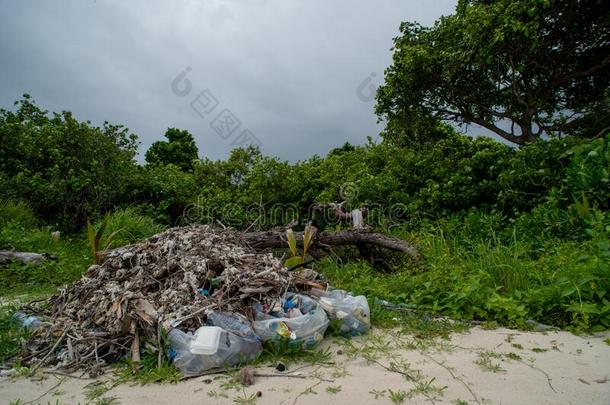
<point x="303" y="328"/>
<point x="353" y="313"/>
<point x="206" y="340"/>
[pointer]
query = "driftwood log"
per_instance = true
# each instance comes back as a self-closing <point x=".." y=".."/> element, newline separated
<point x="23" y="257"/>
<point x="359" y="237"/>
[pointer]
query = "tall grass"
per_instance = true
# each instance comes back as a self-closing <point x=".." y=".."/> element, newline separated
<point x="561" y="283"/>
<point x="16" y="212"/>
<point x="70" y="254"/>
<point x="127" y="227"/>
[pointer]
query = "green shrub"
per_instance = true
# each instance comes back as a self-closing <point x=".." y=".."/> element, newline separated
<point x="16" y="213"/>
<point x="66" y="169"/>
<point x="127" y="227"/>
<point x="162" y="192"/>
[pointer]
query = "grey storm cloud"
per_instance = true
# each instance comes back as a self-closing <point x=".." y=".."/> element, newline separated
<point x="297" y="74"/>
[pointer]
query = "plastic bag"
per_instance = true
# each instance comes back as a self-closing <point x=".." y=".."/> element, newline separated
<point x="297" y="320"/>
<point x="237" y="345"/>
<point x="353" y="313"/>
<point x="28" y="322"/>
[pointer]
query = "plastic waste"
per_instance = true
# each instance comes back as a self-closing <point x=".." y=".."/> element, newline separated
<point x="235" y="323"/>
<point x="206" y="340"/>
<point x="539" y="327"/>
<point x="28" y="322"/>
<point x="353" y="313"/>
<point x="296" y="319"/>
<point x="236" y="344"/>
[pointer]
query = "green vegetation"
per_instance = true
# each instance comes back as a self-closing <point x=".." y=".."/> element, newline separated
<point x="179" y="150"/>
<point x="507" y="234"/>
<point x="70" y="254"/>
<point x="12" y="335"/>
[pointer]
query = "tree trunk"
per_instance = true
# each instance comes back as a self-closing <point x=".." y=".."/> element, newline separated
<point x="277" y="239"/>
<point x="22" y="257"/>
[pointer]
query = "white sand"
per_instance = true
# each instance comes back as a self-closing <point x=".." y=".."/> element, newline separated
<point x="572" y="370"/>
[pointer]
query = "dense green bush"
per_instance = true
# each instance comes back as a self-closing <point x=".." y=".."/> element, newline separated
<point x="455" y="176"/>
<point x="65" y="169"/>
<point x="161" y="192"/>
<point x="18" y="213"/>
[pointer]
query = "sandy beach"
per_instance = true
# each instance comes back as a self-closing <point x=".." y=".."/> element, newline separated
<point x="500" y="366"/>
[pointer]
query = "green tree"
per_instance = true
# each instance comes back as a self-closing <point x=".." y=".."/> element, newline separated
<point x="66" y="170"/>
<point x="179" y="149"/>
<point x="520" y="68"/>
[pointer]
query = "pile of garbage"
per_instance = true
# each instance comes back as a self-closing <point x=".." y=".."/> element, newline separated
<point x="216" y="299"/>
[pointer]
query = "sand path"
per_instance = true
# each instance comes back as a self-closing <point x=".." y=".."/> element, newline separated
<point x="499" y="366"/>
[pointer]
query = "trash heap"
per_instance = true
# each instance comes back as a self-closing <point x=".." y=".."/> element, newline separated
<point x="191" y="279"/>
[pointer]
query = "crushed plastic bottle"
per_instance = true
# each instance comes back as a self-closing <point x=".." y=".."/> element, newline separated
<point x="28" y="322"/>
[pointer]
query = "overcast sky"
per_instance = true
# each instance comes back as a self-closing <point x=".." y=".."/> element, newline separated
<point x="292" y="75"/>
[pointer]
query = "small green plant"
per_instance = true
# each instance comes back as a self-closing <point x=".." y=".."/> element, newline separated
<point x="333" y="389"/>
<point x="95" y="239"/>
<point x="95" y="393"/>
<point x="378" y="394"/>
<point x="246" y="399"/>
<point x="214" y="394"/>
<point x="339" y="372"/>
<point x="282" y="352"/>
<point x="539" y="350"/>
<point x="398" y="396"/>
<point x="308" y="235"/>
<point x="512" y="356"/>
<point x="484" y="361"/>
<point x="427" y="389"/>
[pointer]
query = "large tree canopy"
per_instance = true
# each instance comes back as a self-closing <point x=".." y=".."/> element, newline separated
<point x="180" y="150"/>
<point x="520" y="68"/>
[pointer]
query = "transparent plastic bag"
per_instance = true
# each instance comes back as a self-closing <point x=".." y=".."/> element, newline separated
<point x="247" y="346"/>
<point x="353" y="313"/>
<point x="233" y="349"/>
<point x="235" y="323"/>
<point x="299" y="321"/>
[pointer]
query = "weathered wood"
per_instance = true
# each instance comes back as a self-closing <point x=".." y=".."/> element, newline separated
<point x="277" y="239"/>
<point x="22" y="257"/>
